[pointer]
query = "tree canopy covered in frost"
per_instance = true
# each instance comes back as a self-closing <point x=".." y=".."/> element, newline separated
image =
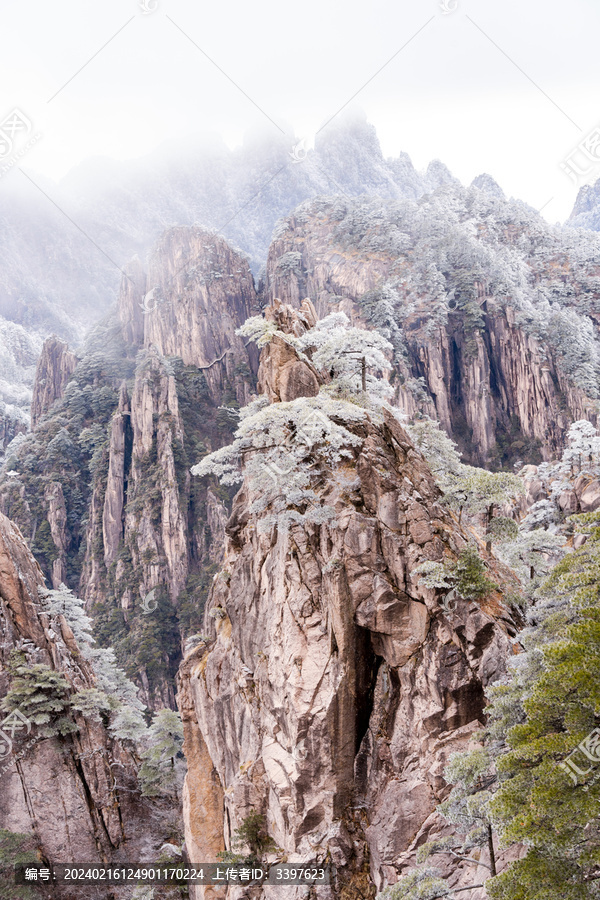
<point x="113" y="693"/>
<point x="582" y="453"/>
<point x="283" y="449"/>
<point x="451" y="248"/>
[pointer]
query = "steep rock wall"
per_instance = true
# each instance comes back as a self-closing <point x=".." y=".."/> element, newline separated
<point x="149" y="528"/>
<point x="54" y="368"/>
<point x="75" y="796"/>
<point x="334" y="686"/>
<point x="482" y="383"/>
<point x="197" y="291"/>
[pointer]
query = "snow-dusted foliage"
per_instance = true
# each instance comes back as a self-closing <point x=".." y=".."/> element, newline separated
<point x="458" y="247"/>
<point x="282" y="449"/>
<point x="260" y="330"/>
<point x="433" y="574"/>
<point x="438" y="449"/>
<point x="532" y="554"/>
<point x="285" y="449"/>
<point x="582" y="453"/>
<point x="542" y="514"/>
<point x="64" y="602"/>
<point x="345" y="352"/>
<point x="113" y="694"/>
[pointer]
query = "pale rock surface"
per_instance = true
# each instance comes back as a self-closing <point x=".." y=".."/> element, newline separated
<point x="75" y="796"/>
<point x="112" y="517"/>
<point x="282" y="376"/>
<point x="54" y="369"/>
<point x="335" y="686"/>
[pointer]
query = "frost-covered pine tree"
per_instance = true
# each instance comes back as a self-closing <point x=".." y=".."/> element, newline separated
<point x="480" y="491"/>
<point x="162" y="769"/>
<point x="285" y="449"/>
<point x="64" y="602"/>
<point x="582" y="453"/>
<point x="438" y="449"/>
<point x="349" y="355"/>
<point x="114" y="694"/>
<point x="532" y="554"/>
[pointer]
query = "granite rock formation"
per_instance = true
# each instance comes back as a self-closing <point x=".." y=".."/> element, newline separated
<point x="75" y="796"/>
<point x="334" y="686"/>
<point x="466" y="351"/>
<point x="54" y="369"/>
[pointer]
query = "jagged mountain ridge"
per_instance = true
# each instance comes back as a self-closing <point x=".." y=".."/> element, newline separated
<point x="102" y="489"/>
<point x="50" y="268"/>
<point x="493" y="312"/>
<point x="57" y="278"/>
<point x="461" y="283"/>
<point x="110" y="507"/>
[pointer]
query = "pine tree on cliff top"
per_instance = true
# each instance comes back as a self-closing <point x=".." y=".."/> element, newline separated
<point x="283" y="448"/>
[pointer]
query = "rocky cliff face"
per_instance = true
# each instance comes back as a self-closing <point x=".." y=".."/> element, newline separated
<point x="54" y="369"/>
<point x="483" y="322"/>
<point x="54" y="280"/>
<point x="149" y="528"/>
<point x="334" y="686"/>
<point x="199" y="291"/>
<point x="75" y="796"/>
<point x="114" y="513"/>
<point x="586" y="211"/>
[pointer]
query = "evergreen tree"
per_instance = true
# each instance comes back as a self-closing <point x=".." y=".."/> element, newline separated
<point x="532" y="554"/>
<point x="550" y="789"/>
<point x="251" y="841"/>
<point x="582" y="453"/>
<point x="480" y="491"/>
<point x="161" y="771"/>
<point x="470" y="579"/>
<point x="91" y="703"/>
<point x="438" y="449"/>
<point x="127" y="724"/>
<point x="41" y="694"/>
<point x="280" y="463"/>
<point x="64" y="602"/>
<point x="467" y="575"/>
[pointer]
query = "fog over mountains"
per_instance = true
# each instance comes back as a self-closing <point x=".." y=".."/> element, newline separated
<point x="62" y="246"/>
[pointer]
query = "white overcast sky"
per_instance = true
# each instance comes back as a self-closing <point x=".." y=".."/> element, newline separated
<point x="508" y="87"/>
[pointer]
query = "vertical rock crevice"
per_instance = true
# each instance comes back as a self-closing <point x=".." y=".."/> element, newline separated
<point x="334" y="687"/>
